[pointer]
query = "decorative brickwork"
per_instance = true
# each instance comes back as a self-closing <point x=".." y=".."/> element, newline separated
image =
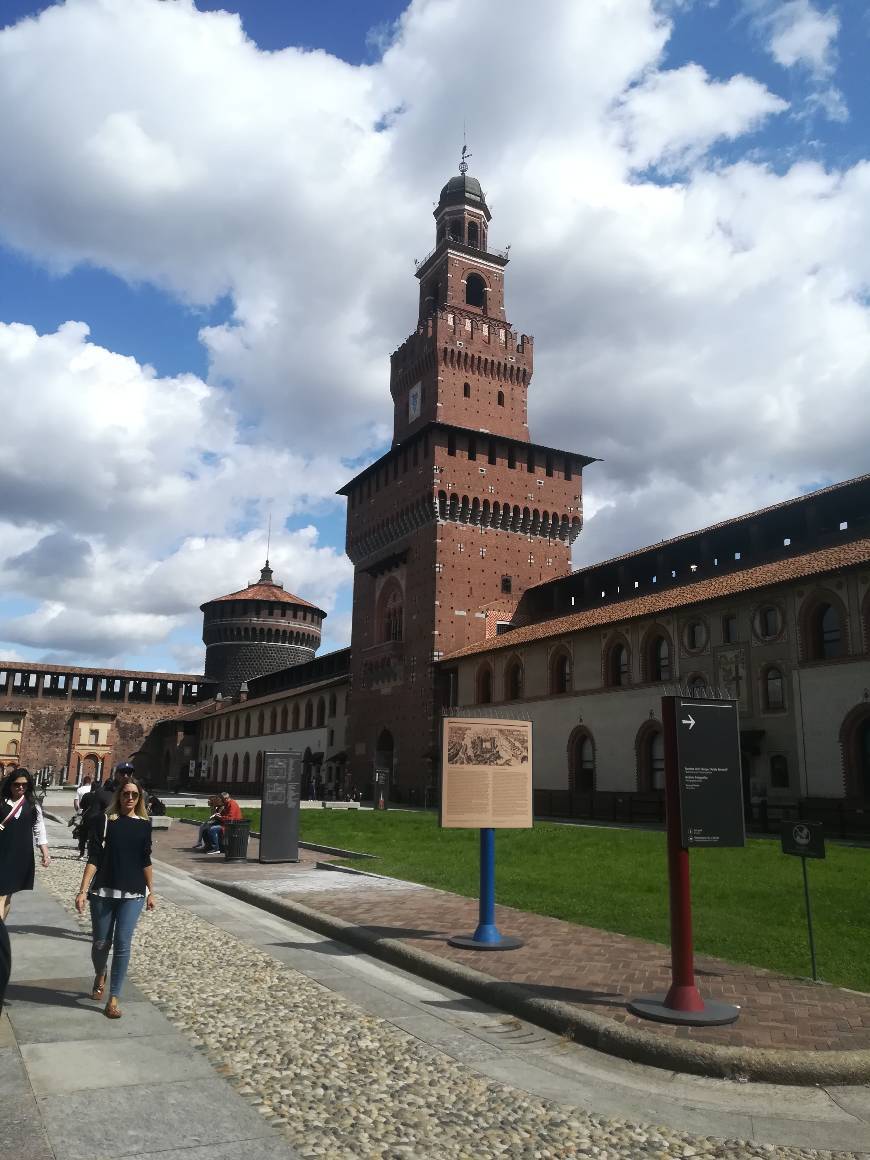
<point x="463" y="513"/>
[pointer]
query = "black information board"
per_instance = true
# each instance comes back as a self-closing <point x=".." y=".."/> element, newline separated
<point x="805" y="839"/>
<point x="708" y="771"/>
<point x="279" y="807"/>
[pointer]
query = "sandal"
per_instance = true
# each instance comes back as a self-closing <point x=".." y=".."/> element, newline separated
<point x="112" y="1010"/>
<point x="98" y="987"/>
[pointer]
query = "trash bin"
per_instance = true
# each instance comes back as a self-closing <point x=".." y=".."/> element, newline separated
<point x="236" y="836"/>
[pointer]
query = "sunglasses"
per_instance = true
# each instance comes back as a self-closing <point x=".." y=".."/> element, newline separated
<point x="130" y="793"/>
<point x="19" y="785"/>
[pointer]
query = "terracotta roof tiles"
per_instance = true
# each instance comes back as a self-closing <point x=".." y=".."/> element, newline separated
<point x="711" y="588"/>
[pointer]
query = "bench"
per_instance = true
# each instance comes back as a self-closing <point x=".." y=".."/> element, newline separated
<point x="161" y="823"/>
<point x="340" y="805"/>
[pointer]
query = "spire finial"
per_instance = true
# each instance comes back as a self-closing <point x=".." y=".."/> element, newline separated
<point x="463" y="161"/>
<point x="266" y="573"/>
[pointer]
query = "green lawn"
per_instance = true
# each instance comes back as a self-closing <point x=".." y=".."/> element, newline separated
<point x="747" y="904"/>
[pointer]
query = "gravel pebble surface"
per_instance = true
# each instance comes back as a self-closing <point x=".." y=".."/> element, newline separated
<point x="342" y="1083"/>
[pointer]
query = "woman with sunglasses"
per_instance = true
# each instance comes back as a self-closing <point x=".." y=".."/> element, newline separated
<point x="117" y="882"/>
<point x="21" y="828"/>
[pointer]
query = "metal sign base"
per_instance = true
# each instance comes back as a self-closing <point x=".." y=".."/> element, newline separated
<point x="712" y="1014"/>
<point x="470" y="942"/>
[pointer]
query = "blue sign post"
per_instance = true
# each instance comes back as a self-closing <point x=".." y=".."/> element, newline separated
<point x="487" y="937"/>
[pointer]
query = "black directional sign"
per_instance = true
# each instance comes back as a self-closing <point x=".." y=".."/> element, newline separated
<point x="708" y="771"/>
<point x="805" y="839"/>
<point x="279" y="807"/>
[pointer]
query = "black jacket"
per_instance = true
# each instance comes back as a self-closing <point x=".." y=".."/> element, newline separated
<point x="121" y="862"/>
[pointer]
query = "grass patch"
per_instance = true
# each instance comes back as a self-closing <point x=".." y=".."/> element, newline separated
<point x="748" y="904"/>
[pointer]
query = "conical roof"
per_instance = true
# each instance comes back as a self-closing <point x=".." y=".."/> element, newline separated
<point x="264" y="589"/>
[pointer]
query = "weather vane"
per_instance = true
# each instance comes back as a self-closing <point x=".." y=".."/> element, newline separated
<point x="463" y="163"/>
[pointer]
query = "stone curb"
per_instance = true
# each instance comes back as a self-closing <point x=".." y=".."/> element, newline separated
<point x="766" y="1065"/>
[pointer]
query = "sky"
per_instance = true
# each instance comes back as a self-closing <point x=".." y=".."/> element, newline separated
<point x="208" y="220"/>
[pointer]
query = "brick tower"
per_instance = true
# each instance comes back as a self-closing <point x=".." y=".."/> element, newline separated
<point x="257" y="630"/>
<point x="463" y="513"/>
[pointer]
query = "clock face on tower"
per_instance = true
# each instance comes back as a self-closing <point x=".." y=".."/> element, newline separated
<point x="415" y="398"/>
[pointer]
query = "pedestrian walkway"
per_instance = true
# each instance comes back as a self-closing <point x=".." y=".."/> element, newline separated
<point x="586" y="969"/>
<point x="78" y="1086"/>
<point x="346" y="1056"/>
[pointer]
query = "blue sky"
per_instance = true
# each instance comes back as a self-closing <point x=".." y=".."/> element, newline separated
<point x="234" y="231"/>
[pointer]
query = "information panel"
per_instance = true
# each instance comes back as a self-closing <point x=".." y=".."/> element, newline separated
<point x="486" y="774"/>
<point x="708" y="770"/>
<point x="279" y="807"/>
<point x="804" y="839"/>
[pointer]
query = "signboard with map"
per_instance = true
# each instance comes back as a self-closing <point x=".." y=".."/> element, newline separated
<point x="486" y="774"/>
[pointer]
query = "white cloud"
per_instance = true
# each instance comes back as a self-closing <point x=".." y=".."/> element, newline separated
<point x="798" y="34"/>
<point x="708" y="338"/>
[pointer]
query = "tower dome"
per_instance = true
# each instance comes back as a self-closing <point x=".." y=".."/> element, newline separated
<point x="463" y="190"/>
<point x="259" y="629"/>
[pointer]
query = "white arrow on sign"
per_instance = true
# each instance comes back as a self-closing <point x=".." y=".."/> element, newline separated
<point x="690" y="721"/>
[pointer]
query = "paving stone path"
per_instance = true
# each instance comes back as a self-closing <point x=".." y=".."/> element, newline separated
<point x="343" y="1083"/>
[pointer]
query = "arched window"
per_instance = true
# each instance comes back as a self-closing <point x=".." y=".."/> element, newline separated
<point x="236" y="725"/>
<point x="855" y="741"/>
<point x="475" y="290"/>
<point x="513" y="680"/>
<point x="484" y="685"/>
<point x="261" y="722"/>
<point x="12" y="749"/>
<point x="235" y="774"/>
<point x="215" y="767"/>
<point x="294" y="716"/>
<point x="224" y="767"/>
<point x="617" y="670"/>
<point x="332" y="704"/>
<point x="283" y="718"/>
<point x="658" y="657"/>
<point x="773" y="689"/>
<point x="500" y="398"/>
<point x="247" y="724"/>
<point x="650" y="748"/>
<point x="697" y="684"/>
<point x="560" y="672"/>
<point x="246" y="767"/>
<point x="273" y="719"/>
<point x="823" y="635"/>
<point x="321" y="712"/>
<point x="581" y="761"/>
<point x="309" y="714"/>
<point x="466" y="390"/>
<point x="778" y="772"/>
<point x="473" y="234"/>
<point x="391" y="612"/>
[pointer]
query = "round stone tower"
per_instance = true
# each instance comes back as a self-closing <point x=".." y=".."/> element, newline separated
<point x="256" y="631"/>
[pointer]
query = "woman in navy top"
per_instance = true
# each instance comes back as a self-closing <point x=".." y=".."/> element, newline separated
<point x="117" y="883"/>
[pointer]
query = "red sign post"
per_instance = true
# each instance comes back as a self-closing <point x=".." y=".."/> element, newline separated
<point x="705" y="764"/>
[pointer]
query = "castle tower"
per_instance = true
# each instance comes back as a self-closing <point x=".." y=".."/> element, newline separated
<point x="257" y="630"/>
<point x="463" y="513"/>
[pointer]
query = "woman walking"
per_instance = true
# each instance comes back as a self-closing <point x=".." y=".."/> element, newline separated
<point x="21" y="827"/>
<point x="116" y="881"/>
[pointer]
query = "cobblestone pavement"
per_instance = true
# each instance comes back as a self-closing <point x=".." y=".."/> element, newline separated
<point x="343" y="1083"/>
<point x="592" y="969"/>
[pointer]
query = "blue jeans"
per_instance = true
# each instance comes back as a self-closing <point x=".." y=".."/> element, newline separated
<point x="213" y="837"/>
<point x="113" y="920"/>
